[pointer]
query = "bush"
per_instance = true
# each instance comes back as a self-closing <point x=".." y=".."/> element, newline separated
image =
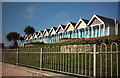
<point x="35" y="43"/>
<point x="98" y="40"/>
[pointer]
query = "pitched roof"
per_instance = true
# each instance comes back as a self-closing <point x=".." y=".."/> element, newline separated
<point x="106" y="20"/>
<point x="42" y="32"/>
<point x="55" y="28"/>
<point x="63" y="26"/>
<point x="60" y="26"/>
<point x="80" y="21"/>
<point x="36" y="32"/>
<point x="48" y="30"/>
<point x="73" y="23"/>
<point x="86" y="21"/>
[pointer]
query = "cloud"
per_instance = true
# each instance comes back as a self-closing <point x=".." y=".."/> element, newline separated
<point x="30" y="12"/>
<point x="60" y="18"/>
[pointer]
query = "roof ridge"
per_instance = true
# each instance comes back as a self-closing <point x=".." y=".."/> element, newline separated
<point x="62" y="25"/>
<point x="104" y="17"/>
<point x="54" y="27"/>
<point x="85" y="19"/>
<point x="72" y="22"/>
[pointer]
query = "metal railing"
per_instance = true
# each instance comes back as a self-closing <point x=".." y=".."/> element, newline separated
<point x="102" y="60"/>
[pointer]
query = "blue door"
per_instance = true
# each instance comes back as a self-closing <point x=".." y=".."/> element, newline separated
<point x="101" y="31"/>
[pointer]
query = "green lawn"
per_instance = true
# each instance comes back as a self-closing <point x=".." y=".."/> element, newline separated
<point x="78" y="63"/>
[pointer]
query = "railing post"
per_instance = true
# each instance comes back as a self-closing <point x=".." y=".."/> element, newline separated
<point x="17" y="57"/>
<point x="94" y="61"/>
<point x="41" y="59"/>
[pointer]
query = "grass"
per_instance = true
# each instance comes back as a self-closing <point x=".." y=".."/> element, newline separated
<point x="78" y="63"/>
<point x="50" y="47"/>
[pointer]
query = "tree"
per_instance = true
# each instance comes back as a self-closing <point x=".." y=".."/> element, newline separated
<point x="21" y="38"/>
<point x="29" y="30"/>
<point x="13" y="37"/>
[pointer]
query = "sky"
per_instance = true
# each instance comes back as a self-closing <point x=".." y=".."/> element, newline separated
<point x="44" y="15"/>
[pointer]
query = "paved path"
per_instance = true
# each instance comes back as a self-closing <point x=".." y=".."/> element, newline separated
<point x="14" y="70"/>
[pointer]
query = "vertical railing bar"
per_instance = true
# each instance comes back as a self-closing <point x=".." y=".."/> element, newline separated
<point x="117" y="57"/>
<point x="111" y="60"/>
<point x="58" y="59"/>
<point x="50" y="58"/>
<point x="51" y="55"/>
<point x="101" y="60"/>
<point x="17" y="57"/>
<point x="94" y="61"/>
<point x="100" y="64"/>
<point x="82" y="64"/>
<point x="63" y="62"/>
<point x="28" y="58"/>
<point x="53" y="62"/>
<point x="78" y="63"/>
<point x="89" y="62"/>
<point x="85" y="61"/>
<point x="45" y="58"/>
<point x="116" y="54"/>
<point x="106" y="59"/>
<point x="88" y="45"/>
<point x="47" y="48"/>
<point x="68" y="62"/>
<point x="57" y="65"/>
<point x="60" y="62"/>
<point x="71" y="62"/>
<point x="75" y="64"/>
<point x="117" y="63"/>
<point x="41" y="59"/>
